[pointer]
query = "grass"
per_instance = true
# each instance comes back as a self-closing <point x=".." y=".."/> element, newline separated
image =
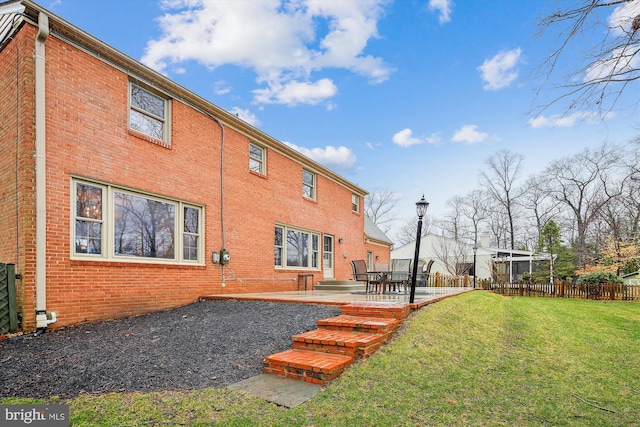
<point x="477" y="359"/>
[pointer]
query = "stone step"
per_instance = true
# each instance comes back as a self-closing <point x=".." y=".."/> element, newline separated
<point x="347" y="286"/>
<point x="397" y="311"/>
<point x="310" y="366"/>
<point x="358" y="345"/>
<point x="374" y="325"/>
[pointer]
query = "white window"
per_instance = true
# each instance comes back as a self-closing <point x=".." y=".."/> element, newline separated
<point x="294" y="248"/>
<point x="88" y="224"/>
<point x="148" y="113"/>
<point x="118" y="224"/>
<point x="355" y="203"/>
<point x="308" y="184"/>
<point x="256" y="159"/>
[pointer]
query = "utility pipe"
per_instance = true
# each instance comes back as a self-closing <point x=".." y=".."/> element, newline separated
<point x="222" y="225"/>
<point x="41" y="175"/>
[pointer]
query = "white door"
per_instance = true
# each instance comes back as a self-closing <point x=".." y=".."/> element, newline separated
<point x="328" y="256"/>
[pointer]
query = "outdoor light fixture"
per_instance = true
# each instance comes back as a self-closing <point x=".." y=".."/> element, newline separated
<point x="421" y="209"/>
<point x="475" y="250"/>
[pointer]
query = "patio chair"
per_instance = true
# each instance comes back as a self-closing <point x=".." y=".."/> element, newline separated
<point x="372" y="280"/>
<point x="400" y="272"/>
<point x="423" y="276"/>
<point x="381" y="266"/>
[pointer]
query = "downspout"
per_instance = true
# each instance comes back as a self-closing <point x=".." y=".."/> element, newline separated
<point x="41" y="176"/>
<point x="222" y="226"/>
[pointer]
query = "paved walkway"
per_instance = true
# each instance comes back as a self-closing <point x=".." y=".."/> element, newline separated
<point x="423" y="296"/>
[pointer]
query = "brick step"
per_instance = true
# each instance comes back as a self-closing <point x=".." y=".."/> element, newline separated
<point x="397" y="311"/>
<point x="309" y="366"/>
<point x="374" y="325"/>
<point x="354" y="344"/>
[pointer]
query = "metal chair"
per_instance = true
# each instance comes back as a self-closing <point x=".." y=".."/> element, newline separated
<point x="372" y="280"/>
<point x="400" y="273"/>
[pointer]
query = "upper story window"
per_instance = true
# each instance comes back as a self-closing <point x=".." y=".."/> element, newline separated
<point x="113" y="223"/>
<point x="308" y="184"/>
<point x="256" y="159"/>
<point x="148" y="113"/>
<point x="355" y="203"/>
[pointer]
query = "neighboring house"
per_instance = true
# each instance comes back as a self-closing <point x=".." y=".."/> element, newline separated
<point x="124" y="193"/>
<point x="450" y="257"/>
<point x="631" y="278"/>
<point x="377" y="244"/>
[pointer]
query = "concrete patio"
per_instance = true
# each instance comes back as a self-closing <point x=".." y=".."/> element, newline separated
<point x="423" y="296"/>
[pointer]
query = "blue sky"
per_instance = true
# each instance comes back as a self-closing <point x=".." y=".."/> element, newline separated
<point x="411" y="96"/>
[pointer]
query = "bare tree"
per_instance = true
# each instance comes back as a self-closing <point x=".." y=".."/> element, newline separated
<point x="537" y="201"/>
<point x="610" y="63"/>
<point x="452" y="254"/>
<point x="497" y="223"/>
<point x="451" y="224"/>
<point x="585" y="183"/>
<point x="500" y="181"/>
<point x="379" y="206"/>
<point x="475" y="210"/>
<point x="408" y="232"/>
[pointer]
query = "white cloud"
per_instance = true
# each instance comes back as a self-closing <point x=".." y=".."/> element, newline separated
<point x="278" y="39"/>
<point x="340" y="159"/>
<point x="220" y="87"/>
<point x="405" y="138"/>
<point x="500" y="71"/>
<point x="469" y="134"/>
<point x="245" y="115"/>
<point x="566" y="121"/>
<point x="444" y="7"/>
<point x="434" y="139"/>
<point x="621" y="61"/>
<point x="622" y="17"/>
<point x="294" y="92"/>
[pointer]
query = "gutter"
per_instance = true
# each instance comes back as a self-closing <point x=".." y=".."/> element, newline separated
<point x="41" y="176"/>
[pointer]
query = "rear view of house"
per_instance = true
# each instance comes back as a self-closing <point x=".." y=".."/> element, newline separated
<point x="124" y="193"/>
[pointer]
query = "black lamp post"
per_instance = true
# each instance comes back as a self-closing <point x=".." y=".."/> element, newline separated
<point x="475" y="250"/>
<point x="421" y="208"/>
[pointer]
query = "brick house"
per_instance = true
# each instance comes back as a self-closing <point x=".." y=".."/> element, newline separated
<point x="123" y="192"/>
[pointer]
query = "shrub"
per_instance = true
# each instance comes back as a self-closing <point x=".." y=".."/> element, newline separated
<point x="599" y="277"/>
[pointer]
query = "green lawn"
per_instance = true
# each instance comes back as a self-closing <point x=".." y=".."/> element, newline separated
<point x="477" y="359"/>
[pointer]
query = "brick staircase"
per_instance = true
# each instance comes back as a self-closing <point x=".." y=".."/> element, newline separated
<point x="321" y="355"/>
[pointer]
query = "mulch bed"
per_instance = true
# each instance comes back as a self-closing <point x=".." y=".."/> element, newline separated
<point x="210" y="343"/>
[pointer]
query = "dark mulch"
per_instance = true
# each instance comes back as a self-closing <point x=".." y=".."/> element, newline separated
<point x="210" y="343"/>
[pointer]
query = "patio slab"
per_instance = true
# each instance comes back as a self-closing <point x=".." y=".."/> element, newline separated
<point x="282" y="391"/>
<point x="423" y="296"/>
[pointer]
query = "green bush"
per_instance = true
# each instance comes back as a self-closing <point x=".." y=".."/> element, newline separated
<point x="599" y="277"/>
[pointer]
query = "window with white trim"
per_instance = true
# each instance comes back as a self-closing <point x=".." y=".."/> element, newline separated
<point x="256" y="159"/>
<point x="295" y="248"/>
<point x="148" y="112"/>
<point x="118" y="224"/>
<point x="355" y="203"/>
<point x="308" y="184"/>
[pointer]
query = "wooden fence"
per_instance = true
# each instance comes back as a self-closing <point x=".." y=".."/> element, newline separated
<point x="605" y="291"/>
<point x="443" y="281"/>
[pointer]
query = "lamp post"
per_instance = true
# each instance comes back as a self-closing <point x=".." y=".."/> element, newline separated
<point x="475" y="250"/>
<point x="421" y="208"/>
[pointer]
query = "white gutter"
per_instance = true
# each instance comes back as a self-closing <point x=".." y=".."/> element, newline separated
<point x="41" y="176"/>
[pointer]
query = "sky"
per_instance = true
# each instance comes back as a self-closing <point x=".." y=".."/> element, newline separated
<point x="405" y="96"/>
